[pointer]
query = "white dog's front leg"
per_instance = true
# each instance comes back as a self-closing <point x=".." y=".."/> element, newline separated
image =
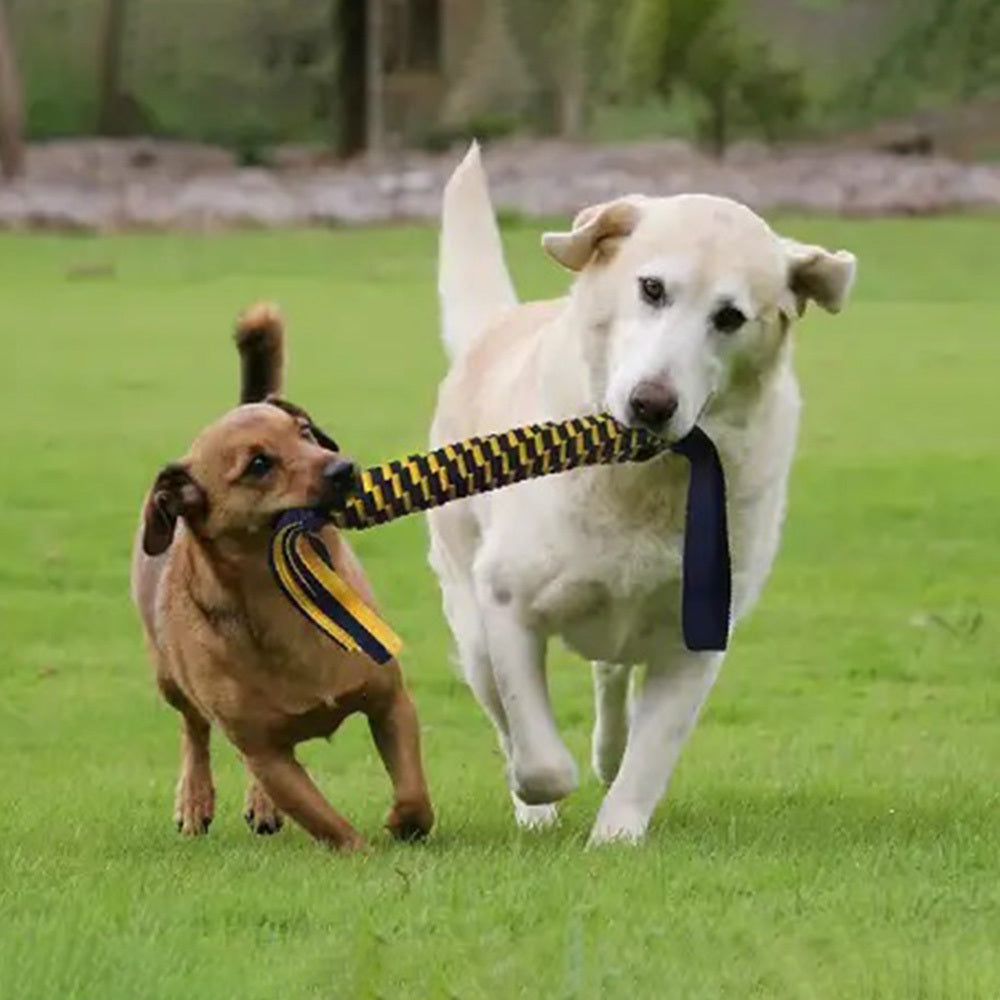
<point x="541" y="768"/>
<point x="665" y="714"/>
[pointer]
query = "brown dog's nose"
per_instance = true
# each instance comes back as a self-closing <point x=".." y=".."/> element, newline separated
<point x="341" y="478"/>
<point x="652" y="403"/>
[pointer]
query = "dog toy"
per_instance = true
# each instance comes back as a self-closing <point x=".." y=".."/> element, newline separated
<point x="479" y="465"/>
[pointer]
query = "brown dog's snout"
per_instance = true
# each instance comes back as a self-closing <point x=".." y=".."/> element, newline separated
<point x="652" y="403"/>
<point x="340" y="479"/>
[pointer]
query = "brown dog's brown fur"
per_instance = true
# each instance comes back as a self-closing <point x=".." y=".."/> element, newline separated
<point x="228" y="648"/>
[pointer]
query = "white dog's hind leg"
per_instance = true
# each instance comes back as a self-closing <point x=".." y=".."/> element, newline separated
<point x="611" y="686"/>
<point x="541" y="768"/>
<point x="666" y="711"/>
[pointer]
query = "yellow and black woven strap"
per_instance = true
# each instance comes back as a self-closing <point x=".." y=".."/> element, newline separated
<point x="301" y="562"/>
<point x="481" y="464"/>
<point x="304" y="571"/>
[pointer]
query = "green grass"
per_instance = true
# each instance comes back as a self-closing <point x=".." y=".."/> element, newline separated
<point x="832" y="831"/>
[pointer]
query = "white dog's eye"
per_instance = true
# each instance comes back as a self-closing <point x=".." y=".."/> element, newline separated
<point x="653" y="293"/>
<point x="728" y="319"/>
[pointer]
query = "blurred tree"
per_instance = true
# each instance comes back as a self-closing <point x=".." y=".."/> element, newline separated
<point x="112" y="101"/>
<point x="568" y="46"/>
<point x="660" y="37"/>
<point x="698" y="46"/>
<point x="359" y="35"/>
<point x="350" y="29"/>
<point x="493" y="88"/>
<point x="374" y="74"/>
<point x="412" y="32"/>
<point x="950" y="53"/>
<point x="11" y="105"/>
<point x="774" y="96"/>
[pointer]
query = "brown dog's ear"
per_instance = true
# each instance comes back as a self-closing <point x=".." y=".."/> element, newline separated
<point x="174" y="494"/>
<point x="322" y="438"/>
<point x="593" y="227"/>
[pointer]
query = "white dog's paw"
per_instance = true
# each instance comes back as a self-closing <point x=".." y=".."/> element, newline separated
<point x="534" y="817"/>
<point x="543" y="781"/>
<point x="618" y="826"/>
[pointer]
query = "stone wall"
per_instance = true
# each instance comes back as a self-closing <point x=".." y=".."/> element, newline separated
<point x="91" y="185"/>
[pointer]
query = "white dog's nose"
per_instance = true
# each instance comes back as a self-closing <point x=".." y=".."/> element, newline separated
<point x="652" y="403"/>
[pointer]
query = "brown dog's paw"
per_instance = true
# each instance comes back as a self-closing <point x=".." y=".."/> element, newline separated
<point x="353" y="843"/>
<point x="262" y="815"/>
<point x="410" y="820"/>
<point x="194" y="806"/>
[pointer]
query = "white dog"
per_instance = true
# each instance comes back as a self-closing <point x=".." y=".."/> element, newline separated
<point x="680" y="314"/>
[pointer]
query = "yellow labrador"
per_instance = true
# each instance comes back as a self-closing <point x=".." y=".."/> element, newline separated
<point x="680" y="314"/>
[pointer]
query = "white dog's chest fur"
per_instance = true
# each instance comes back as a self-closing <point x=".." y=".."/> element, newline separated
<point x="595" y="556"/>
<point x="582" y="564"/>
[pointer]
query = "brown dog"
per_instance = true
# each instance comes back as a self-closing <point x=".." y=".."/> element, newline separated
<point x="228" y="648"/>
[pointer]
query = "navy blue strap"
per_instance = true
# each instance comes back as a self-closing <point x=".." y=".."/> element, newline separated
<point x="707" y="592"/>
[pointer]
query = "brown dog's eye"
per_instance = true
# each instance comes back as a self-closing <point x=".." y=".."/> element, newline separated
<point x="728" y="319"/>
<point x="258" y="466"/>
<point x="653" y="292"/>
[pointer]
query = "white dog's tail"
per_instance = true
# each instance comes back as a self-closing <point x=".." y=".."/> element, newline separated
<point x="473" y="282"/>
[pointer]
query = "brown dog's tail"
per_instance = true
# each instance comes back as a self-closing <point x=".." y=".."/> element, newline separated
<point x="260" y="339"/>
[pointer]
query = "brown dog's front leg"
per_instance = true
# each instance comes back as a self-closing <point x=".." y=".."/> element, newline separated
<point x="194" y="803"/>
<point x="194" y="800"/>
<point x="293" y="791"/>
<point x="396" y="731"/>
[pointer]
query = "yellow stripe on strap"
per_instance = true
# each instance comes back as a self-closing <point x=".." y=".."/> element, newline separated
<point x="347" y="597"/>
<point x="301" y="598"/>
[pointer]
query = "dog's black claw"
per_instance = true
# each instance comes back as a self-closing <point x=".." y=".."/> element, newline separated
<point x="263" y="828"/>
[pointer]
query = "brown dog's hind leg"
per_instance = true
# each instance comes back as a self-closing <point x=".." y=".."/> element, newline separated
<point x="194" y="801"/>
<point x="396" y="731"/>
<point x="288" y="784"/>
<point x="262" y="815"/>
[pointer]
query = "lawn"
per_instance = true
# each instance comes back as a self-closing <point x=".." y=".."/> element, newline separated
<point x="833" y="830"/>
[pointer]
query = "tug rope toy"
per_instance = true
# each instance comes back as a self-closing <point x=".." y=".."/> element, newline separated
<point x="481" y="464"/>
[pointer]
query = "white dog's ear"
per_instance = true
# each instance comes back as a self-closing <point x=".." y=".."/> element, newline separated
<point x="819" y="275"/>
<point x="592" y="230"/>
